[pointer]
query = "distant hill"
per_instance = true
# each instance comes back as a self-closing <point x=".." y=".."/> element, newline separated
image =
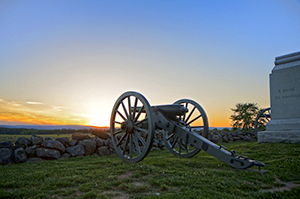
<point x="52" y="127"/>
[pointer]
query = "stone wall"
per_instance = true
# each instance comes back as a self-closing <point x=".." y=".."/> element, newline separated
<point x="38" y="148"/>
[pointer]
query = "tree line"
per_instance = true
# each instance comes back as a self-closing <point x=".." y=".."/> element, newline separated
<point x="244" y="116"/>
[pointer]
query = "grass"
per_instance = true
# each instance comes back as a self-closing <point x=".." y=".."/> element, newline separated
<point x="159" y="175"/>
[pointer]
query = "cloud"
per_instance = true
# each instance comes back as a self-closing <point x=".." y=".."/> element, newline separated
<point x="12" y="111"/>
<point x="34" y="103"/>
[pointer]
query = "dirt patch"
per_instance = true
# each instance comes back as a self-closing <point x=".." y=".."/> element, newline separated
<point x="287" y="186"/>
<point x="117" y="194"/>
<point x="125" y="175"/>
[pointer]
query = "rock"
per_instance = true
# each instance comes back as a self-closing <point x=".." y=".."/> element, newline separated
<point x="65" y="155"/>
<point x="22" y="142"/>
<point x="30" y="151"/>
<point x="80" y="136"/>
<point x="73" y="142"/>
<point x="6" y="156"/>
<point x="99" y="141"/>
<point x="103" y="151"/>
<point x="76" y="150"/>
<point x="33" y="159"/>
<point x="20" y="155"/>
<point x="109" y="144"/>
<point x="225" y="139"/>
<point x="48" y="138"/>
<point x="101" y="134"/>
<point x="52" y="144"/>
<point x="7" y="144"/>
<point x="88" y="145"/>
<point x="161" y="144"/>
<point x="64" y="141"/>
<point x="36" y="140"/>
<point x="47" y="153"/>
<point x="216" y="139"/>
<point x="236" y="138"/>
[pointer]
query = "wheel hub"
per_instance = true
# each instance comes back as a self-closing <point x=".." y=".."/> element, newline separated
<point x="127" y="126"/>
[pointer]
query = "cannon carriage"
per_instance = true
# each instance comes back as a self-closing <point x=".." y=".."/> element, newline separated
<point x="185" y="129"/>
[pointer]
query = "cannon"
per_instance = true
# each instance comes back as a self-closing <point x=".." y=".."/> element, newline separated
<point x="262" y="118"/>
<point x="184" y="125"/>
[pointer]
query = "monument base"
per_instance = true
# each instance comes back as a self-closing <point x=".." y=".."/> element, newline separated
<point x="281" y="130"/>
<point x="278" y="137"/>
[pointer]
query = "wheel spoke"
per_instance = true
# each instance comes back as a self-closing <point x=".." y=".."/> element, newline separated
<point x="143" y="120"/>
<point x="140" y="138"/>
<point x="131" y="145"/>
<point x="125" y="110"/>
<point x="194" y="127"/>
<point x="129" y="107"/>
<point x="116" y="122"/>
<point x="117" y="132"/>
<point x="122" y="138"/>
<point x="187" y="119"/>
<point x="140" y="129"/>
<point x="173" y="144"/>
<point x="194" y="120"/>
<point x="172" y="135"/>
<point x="134" y="108"/>
<point x="139" y="113"/>
<point x="126" y="144"/>
<point x="122" y="116"/>
<point x="136" y="143"/>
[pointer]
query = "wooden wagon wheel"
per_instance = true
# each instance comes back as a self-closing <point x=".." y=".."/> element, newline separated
<point x="262" y="119"/>
<point x="132" y="127"/>
<point x="196" y="120"/>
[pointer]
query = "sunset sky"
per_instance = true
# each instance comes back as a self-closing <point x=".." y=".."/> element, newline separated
<point x="67" y="62"/>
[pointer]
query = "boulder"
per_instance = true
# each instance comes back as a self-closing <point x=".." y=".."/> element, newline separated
<point x="225" y="139"/>
<point x="101" y="134"/>
<point x="65" y="155"/>
<point x="52" y="144"/>
<point x="73" y="142"/>
<point x="47" y="153"/>
<point x="76" y="150"/>
<point x="36" y="140"/>
<point x="64" y="141"/>
<point x="80" y="136"/>
<point x="88" y="145"/>
<point x="34" y="159"/>
<point x="99" y="141"/>
<point x="103" y="151"/>
<point x="30" y="151"/>
<point x="22" y="142"/>
<point x="161" y="144"/>
<point x="7" y="144"/>
<point x="6" y="156"/>
<point x="109" y="144"/>
<point x="216" y="139"/>
<point x="20" y="155"/>
<point x="48" y="138"/>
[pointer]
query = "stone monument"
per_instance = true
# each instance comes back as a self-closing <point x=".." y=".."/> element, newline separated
<point x="285" y="101"/>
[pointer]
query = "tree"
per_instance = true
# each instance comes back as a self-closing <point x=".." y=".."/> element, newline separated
<point x="244" y="115"/>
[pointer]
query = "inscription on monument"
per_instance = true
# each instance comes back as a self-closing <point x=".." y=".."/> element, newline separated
<point x="287" y="93"/>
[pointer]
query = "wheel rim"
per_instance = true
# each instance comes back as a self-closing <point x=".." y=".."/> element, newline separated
<point x="262" y="119"/>
<point x="194" y="119"/>
<point x="132" y="127"/>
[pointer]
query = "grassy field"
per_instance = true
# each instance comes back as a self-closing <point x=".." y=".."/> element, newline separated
<point x="159" y="175"/>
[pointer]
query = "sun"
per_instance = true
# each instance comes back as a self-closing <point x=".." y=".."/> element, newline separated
<point x="99" y="121"/>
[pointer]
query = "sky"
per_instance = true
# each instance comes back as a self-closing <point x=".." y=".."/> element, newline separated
<point x="67" y="62"/>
